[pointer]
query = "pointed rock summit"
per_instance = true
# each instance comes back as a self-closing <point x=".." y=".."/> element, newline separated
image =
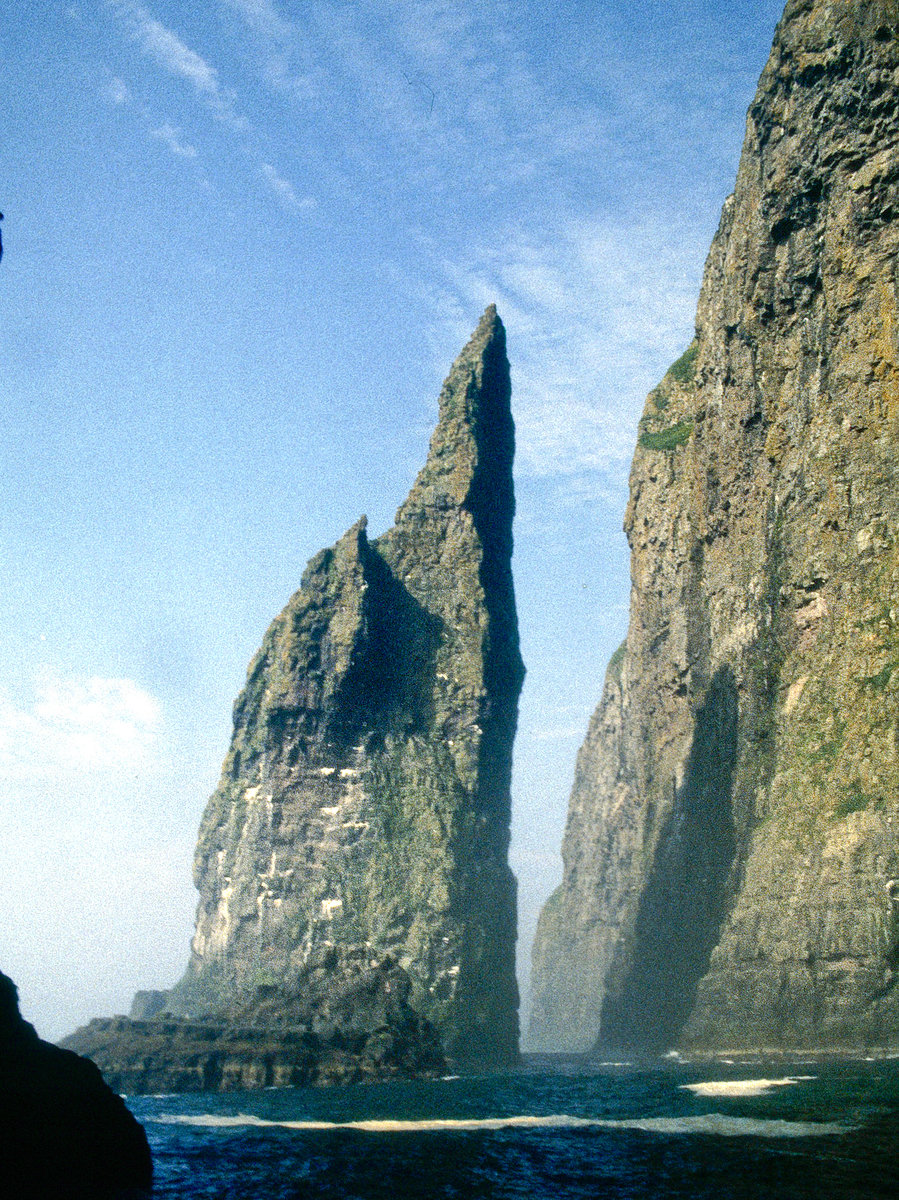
<point x="731" y="857"/>
<point x="364" y="802"/>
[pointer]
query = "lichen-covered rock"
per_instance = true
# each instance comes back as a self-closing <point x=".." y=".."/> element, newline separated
<point x="732" y="836"/>
<point x="365" y="797"/>
<point x="64" y="1135"/>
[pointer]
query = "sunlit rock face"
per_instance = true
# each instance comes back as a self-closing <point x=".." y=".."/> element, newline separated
<point x="365" y="798"/>
<point x="731" y="847"/>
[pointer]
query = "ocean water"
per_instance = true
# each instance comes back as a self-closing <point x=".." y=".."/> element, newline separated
<point x="748" y="1128"/>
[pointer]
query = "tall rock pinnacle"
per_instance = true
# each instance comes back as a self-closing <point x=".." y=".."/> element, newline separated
<point x="731" y="853"/>
<point x="365" y="799"/>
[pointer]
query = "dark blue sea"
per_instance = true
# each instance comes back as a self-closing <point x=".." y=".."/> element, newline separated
<point x="749" y="1128"/>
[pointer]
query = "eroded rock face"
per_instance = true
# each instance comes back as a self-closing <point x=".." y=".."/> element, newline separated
<point x="365" y="799"/>
<point x="732" y="835"/>
<point x="64" y="1135"/>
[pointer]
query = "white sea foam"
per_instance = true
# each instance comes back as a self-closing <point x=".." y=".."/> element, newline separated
<point x="709" y="1123"/>
<point x="741" y="1087"/>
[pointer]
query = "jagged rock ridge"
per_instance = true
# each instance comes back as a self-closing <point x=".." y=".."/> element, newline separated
<point x="731" y="848"/>
<point x="365" y="799"/>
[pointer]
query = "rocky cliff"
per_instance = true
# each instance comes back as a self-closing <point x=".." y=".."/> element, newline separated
<point x="731" y="848"/>
<point x="364" y="801"/>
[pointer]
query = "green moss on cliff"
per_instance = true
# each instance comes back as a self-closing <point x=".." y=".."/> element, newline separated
<point x="855" y="800"/>
<point x="683" y="371"/>
<point x="616" y="662"/>
<point x="667" y="439"/>
<point x="880" y="679"/>
<point x="673" y="393"/>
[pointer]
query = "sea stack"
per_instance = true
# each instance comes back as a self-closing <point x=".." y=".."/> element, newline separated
<point x="364" y="803"/>
<point x="731" y="853"/>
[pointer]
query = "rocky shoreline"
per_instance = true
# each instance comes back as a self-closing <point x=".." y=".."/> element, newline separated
<point x="357" y="1030"/>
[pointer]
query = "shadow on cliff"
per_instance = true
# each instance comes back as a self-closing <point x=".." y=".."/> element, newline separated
<point x="388" y="686"/>
<point x="394" y="685"/>
<point x="687" y="894"/>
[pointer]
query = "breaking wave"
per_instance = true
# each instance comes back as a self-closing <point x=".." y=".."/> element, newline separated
<point x="717" y="1124"/>
<point x="742" y="1087"/>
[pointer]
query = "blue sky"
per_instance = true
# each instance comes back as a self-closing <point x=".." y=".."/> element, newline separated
<point x="244" y="240"/>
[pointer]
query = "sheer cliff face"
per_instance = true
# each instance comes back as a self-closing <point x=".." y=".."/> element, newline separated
<point x="365" y="797"/>
<point x="731" y="846"/>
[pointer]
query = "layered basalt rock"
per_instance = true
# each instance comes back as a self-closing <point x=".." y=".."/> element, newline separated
<point x="364" y="802"/>
<point x="64" y="1135"/>
<point x="350" y="1021"/>
<point x="731" y="848"/>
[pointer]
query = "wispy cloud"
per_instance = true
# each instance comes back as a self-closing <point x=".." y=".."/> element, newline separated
<point x="429" y="80"/>
<point x="263" y="17"/>
<point x="171" y="137"/>
<point x="166" y="47"/>
<point x="67" y="726"/>
<point x="596" y="312"/>
<point x="171" y="53"/>
<point x="285" y="190"/>
<point x="116" y="91"/>
<point x="414" y="95"/>
<point x="597" y="306"/>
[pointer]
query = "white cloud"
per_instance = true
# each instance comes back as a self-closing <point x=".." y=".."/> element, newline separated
<point x="116" y="91"/>
<point x="285" y="190"/>
<point x="166" y="47"/>
<point x="66" y="726"/>
<point x="596" y="312"/>
<point x="170" y="136"/>
<point x="174" y="56"/>
<point x="263" y="17"/>
<point x="168" y="51"/>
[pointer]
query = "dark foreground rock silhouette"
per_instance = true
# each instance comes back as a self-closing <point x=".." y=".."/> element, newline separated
<point x="63" y="1132"/>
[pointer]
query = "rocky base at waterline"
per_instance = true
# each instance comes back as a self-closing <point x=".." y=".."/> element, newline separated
<point x="63" y="1132"/>
<point x="347" y="1021"/>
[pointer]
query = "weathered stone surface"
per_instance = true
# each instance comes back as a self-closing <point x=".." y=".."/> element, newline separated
<point x="64" y="1135"/>
<point x="365" y="799"/>
<point x="350" y="1021"/>
<point x="732" y="835"/>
